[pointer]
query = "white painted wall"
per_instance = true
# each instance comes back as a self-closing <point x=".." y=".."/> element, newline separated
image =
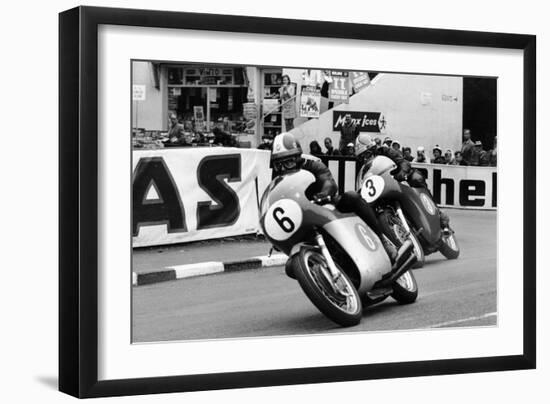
<point x="415" y="107"/>
<point x="149" y="113"/>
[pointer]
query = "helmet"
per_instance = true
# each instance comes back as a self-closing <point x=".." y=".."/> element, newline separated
<point x="286" y="153"/>
<point x="363" y="143"/>
<point x="284" y="146"/>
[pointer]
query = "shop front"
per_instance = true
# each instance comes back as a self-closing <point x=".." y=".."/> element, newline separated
<point x="240" y="102"/>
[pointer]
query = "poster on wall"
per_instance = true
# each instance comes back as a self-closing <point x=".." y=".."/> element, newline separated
<point x="360" y="80"/>
<point x="339" y="87"/>
<point x="310" y="102"/>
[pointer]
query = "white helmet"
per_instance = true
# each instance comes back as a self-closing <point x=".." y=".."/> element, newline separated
<point x="284" y="146"/>
<point x="363" y="143"/>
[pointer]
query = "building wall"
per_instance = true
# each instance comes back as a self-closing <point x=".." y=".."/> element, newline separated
<point x="149" y="114"/>
<point x="419" y="111"/>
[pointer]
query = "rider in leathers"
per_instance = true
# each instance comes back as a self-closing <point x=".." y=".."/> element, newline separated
<point x="287" y="157"/>
<point x="366" y="149"/>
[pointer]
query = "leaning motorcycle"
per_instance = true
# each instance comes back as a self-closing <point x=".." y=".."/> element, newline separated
<point x="405" y="211"/>
<point x="338" y="260"/>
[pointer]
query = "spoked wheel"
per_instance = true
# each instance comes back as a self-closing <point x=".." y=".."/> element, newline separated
<point x="405" y="288"/>
<point x="335" y="298"/>
<point x="398" y="234"/>
<point x="449" y="246"/>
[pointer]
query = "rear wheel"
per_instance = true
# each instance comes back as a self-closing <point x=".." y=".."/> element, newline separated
<point x="449" y="247"/>
<point x="337" y="299"/>
<point x="394" y="229"/>
<point x="405" y="288"/>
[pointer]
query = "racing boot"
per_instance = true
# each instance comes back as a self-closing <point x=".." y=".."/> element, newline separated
<point x="389" y="247"/>
<point x="444" y="222"/>
<point x="403" y="253"/>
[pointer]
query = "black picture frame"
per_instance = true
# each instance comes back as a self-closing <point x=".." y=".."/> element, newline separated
<point x="78" y="196"/>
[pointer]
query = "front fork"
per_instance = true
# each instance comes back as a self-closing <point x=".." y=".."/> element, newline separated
<point x="334" y="272"/>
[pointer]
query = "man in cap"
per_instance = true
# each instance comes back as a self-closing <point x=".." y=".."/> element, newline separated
<point x="387" y="141"/>
<point x="438" y="158"/>
<point x="287" y="157"/>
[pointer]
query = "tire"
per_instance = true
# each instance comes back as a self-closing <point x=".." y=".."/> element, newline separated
<point x="449" y="247"/>
<point x="393" y="228"/>
<point x="405" y="288"/>
<point x="306" y="268"/>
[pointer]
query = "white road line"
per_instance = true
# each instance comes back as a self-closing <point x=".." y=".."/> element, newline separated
<point x="463" y="320"/>
<point x="274" y="260"/>
<point x="203" y="268"/>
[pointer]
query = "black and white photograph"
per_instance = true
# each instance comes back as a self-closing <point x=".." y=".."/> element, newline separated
<point x="273" y="201"/>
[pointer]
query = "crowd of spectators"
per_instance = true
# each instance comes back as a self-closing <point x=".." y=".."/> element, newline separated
<point x="471" y="153"/>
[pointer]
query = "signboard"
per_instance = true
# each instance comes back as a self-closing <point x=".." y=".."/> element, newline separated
<point x="359" y="80"/>
<point x="198" y="113"/>
<point x="365" y="121"/>
<point x="138" y="92"/>
<point x="200" y="193"/>
<point x="310" y="102"/>
<point x="339" y="87"/>
<point x="464" y="187"/>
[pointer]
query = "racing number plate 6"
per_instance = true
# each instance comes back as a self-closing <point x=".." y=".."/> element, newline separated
<point x="283" y="219"/>
<point x="372" y="188"/>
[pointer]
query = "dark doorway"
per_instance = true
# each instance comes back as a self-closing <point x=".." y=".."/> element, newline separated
<point x="480" y="109"/>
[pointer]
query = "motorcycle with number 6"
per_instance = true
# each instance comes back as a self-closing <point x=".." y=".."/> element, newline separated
<point x="338" y="260"/>
<point x="404" y="211"/>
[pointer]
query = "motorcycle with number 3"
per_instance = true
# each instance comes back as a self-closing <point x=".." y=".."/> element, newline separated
<point x="338" y="260"/>
<point x="404" y="211"/>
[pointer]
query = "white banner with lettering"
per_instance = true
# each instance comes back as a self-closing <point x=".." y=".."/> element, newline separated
<point x="451" y="186"/>
<point x="190" y="194"/>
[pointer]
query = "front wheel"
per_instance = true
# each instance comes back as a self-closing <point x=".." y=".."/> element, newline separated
<point x="405" y="288"/>
<point x="337" y="299"/>
<point x="449" y="247"/>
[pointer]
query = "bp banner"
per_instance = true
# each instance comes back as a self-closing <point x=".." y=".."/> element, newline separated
<point x="190" y="194"/>
<point x="310" y="102"/>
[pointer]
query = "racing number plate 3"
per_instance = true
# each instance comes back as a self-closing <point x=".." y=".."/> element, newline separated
<point x="283" y="219"/>
<point x="372" y="188"/>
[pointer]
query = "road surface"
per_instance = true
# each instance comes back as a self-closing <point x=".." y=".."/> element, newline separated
<point x="265" y="302"/>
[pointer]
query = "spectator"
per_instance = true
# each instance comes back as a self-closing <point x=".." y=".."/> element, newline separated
<point x="287" y="94"/>
<point x="349" y="150"/>
<point x="492" y="154"/>
<point x="348" y="132"/>
<point x="420" y="155"/>
<point x="222" y="138"/>
<point x="458" y="161"/>
<point x="396" y="146"/>
<point x="387" y="142"/>
<point x="175" y="130"/>
<point x="267" y="143"/>
<point x="378" y="141"/>
<point x="438" y="158"/>
<point x="331" y="151"/>
<point x="449" y="157"/>
<point x="476" y="154"/>
<point x="467" y="147"/>
<point x="407" y="154"/>
<point x="315" y="148"/>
